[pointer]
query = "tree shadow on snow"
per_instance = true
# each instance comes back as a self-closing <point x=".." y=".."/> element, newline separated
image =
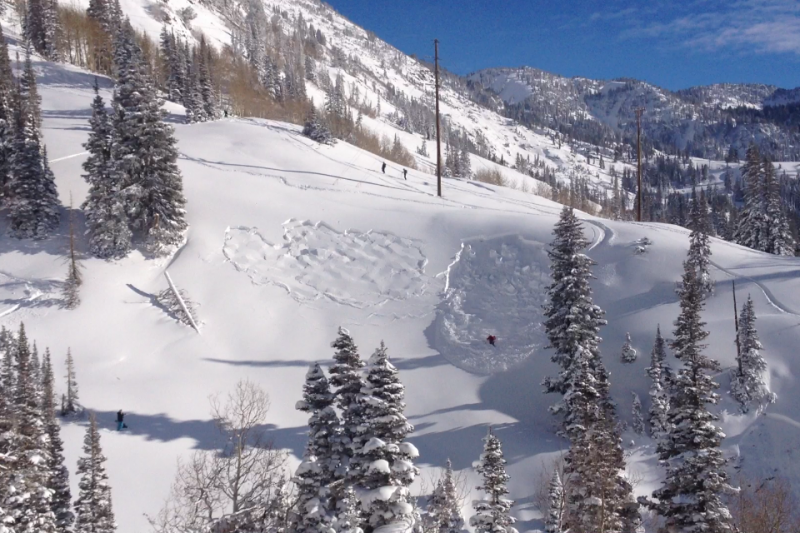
<point x="161" y="428"/>
<point x="55" y="74"/>
<point x="56" y="244"/>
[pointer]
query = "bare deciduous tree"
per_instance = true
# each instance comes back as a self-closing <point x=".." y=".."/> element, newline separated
<point x="246" y="473"/>
<point x="765" y="506"/>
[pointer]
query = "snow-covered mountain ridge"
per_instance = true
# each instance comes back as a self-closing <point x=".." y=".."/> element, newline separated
<point x="706" y="121"/>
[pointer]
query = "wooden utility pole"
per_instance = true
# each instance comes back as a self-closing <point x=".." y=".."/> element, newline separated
<point x="438" y="126"/>
<point x="639" y="112"/>
<point x="736" y="321"/>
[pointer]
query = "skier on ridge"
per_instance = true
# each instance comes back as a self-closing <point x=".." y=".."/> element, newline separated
<point x="383" y="167"/>
<point x="120" y="423"/>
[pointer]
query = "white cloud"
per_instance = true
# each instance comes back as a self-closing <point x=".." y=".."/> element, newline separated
<point x="760" y="26"/>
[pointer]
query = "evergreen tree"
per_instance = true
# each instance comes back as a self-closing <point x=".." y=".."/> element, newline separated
<point x="145" y="152"/>
<point x="102" y="12"/>
<point x="206" y="90"/>
<point x="322" y="457"/>
<point x="636" y="414"/>
<point x="690" y="498"/>
<point x="175" y="65"/>
<point x="59" y="475"/>
<point x="493" y="512"/>
<point x="554" y="522"/>
<point x="659" y="396"/>
<point x="382" y="467"/>
<point x="35" y="206"/>
<point x="747" y="385"/>
<point x="346" y="377"/>
<point x="7" y="422"/>
<point x="192" y="97"/>
<point x="93" y="513"/>
<point x="70" y="403"/>
<point x="628" y="353"/>
<point x="699" y="247"/>
<point x="572" y="321"/>
<point x="7" y="120"/>
<point x="29" y="501"/>
<point x="444" y="507"/>
<point x="106" y="219"/>
<point x="600" y="498"/>
<point x="316" y="129"/>
<point x="347" y="517"/>
<point x="750" y="229"/>
<point x="779" y="236"/>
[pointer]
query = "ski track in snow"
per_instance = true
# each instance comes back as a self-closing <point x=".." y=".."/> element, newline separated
<point x="768" y="294"/>
<point x="67" y="157"/>
<point x="494" y="286"/>
<point x="315" y="262"/>
<point x="19" y="293"/>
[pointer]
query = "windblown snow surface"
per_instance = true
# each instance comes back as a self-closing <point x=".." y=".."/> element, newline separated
<point x="290" y="240"/>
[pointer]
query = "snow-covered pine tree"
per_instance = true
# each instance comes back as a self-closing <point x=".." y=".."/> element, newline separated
<point x="315" y="128"/>
<point x="345" y="376"/>
<point x="193" y="93"/>
<point x="52" y="30"/>
<point x="444" y="508"/>
<point x="465" y="164"/>
<point x="599" y="496"/>
<point x="34" y="25"/>
<point x="70" y="403"/>
<point x="750" y="228"/>
<point x="747" y="380"/>
<point x="322" y="457"/>
<point x="101" y="11"/>
<point x="628" y="353"/>
<point x="778" y="233"/>
<point x="493" y="512"/>
<point x="659" y="395"/>
<point x="106" y="220"/>
<point x="58" y="481"/>
<point x="347" y="518"/>
<point x="636" y="414"/>
<point x="699" y="247"/>
<point x="382" y="467"/>
<point x="7" y="92"/>
<point x="206" y="90"/>
<point x="145" y="152"/>
<point x="690" y="498"/>
<point x="29" y="501"/>
<point x="93" y="512"/>
<point x="7" y="420"/>
<point x="572" y="321"/>
<point x="556" y="502"/>
<point x="175" y="60"/>
<point x="35" y="206"/>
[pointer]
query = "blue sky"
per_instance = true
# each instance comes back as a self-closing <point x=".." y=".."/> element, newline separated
<point x="674" y="44"/>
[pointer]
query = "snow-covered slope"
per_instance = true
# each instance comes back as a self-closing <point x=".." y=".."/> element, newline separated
<point x="290" y="240"/>
<point x="380" y="72"/>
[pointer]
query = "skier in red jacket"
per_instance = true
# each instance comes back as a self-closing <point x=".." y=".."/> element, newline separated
<point x="491" y="339"/>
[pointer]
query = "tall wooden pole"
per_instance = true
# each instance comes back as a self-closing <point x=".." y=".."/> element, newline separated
<point x="639" y="112"/>
<point x="736" y="321"/>
<point x="438" y="126"/>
